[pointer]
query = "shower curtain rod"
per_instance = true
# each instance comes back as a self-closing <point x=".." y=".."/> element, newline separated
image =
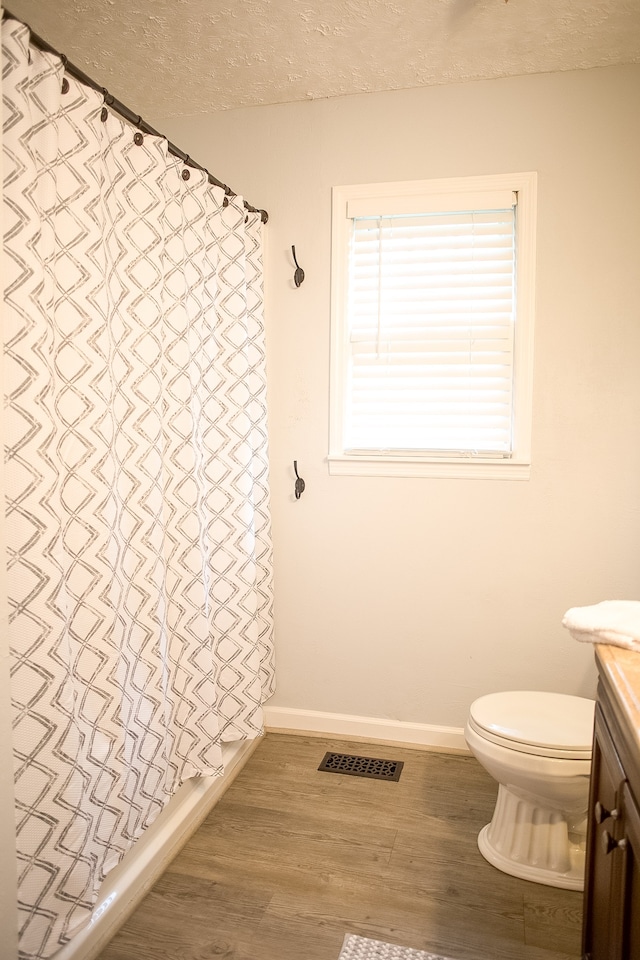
<point x="128" y="114"/>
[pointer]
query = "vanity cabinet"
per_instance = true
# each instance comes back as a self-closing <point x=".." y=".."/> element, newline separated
<point x="611" y="924"/>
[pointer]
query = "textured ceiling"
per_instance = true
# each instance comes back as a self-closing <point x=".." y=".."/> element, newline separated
<point x="167" y="58"/>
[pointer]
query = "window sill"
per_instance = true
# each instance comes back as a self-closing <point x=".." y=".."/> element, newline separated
<point x="454" y="469"/>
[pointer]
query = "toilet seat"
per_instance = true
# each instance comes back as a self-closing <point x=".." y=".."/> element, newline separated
<point x="542" y="724"/>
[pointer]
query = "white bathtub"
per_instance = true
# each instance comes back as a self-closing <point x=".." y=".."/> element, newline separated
<point x="134" y="876"/>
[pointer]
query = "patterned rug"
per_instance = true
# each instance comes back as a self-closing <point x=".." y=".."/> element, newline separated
<point x="362" y="948"/>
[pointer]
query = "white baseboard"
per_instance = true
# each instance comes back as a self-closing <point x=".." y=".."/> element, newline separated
<point x="129" y="882"/>
<point x="344" y="726"/>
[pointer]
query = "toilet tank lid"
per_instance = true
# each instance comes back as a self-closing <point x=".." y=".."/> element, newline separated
<point x="553" y="720"/>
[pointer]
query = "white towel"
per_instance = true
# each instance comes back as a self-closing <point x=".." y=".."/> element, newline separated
<point x="611" y="621"/>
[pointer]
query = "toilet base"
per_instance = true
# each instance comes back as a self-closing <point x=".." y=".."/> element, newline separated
<point x="533" y="843"/>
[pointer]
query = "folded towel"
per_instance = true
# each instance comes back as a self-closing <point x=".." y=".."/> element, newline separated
<point x="611" y="621"/>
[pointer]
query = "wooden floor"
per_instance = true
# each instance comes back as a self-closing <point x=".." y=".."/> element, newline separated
<point x="291" y="859"/>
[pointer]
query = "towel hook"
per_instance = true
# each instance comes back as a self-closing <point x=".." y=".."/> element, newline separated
<point x="299" y="487"/>
<point x="298" y="276"/>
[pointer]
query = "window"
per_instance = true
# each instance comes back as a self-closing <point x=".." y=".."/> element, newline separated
<point x="432" y="327"/>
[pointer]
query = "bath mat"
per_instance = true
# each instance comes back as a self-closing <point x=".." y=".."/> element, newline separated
<point x="362" y="948"/>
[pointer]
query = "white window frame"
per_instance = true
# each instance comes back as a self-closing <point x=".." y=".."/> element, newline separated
<point x="404" y="197"/>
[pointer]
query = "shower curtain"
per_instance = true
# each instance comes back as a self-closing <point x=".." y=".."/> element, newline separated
<point x="136" y="486"/>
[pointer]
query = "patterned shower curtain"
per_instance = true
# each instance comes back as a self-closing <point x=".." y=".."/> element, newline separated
<point x="138" y="530"/>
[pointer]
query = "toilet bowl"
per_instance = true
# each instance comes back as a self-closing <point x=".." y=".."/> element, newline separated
<point x="537" y="746"/>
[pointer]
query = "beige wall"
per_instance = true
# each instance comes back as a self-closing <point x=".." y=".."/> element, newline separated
<point x="404" y="599"/>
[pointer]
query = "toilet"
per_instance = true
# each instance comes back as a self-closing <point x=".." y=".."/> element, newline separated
<point x="537" y="746"/>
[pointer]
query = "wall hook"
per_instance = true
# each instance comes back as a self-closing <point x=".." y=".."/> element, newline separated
<point x="299" y="488"/>
<point x="298" y="276"/>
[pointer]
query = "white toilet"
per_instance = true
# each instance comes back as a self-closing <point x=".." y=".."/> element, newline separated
<point x="538" y="747"/>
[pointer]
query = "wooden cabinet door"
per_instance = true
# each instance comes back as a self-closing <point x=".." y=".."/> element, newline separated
<point x="602" y="928"/>
<point x="631" y="876"/>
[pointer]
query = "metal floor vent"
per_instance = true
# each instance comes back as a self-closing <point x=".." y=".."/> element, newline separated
<point x="354" y="766"/>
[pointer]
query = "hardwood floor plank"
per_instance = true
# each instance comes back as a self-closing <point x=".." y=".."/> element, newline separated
<point x="302" y="838"/>
<point x="386" y="911"/>
<point x="553" y="915"/>
<point x="189" y="918"/>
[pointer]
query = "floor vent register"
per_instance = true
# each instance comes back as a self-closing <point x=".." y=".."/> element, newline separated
<point x="354" y="766"/>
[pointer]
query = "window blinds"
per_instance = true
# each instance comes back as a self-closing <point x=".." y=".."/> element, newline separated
<point x="431" y="303"/>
